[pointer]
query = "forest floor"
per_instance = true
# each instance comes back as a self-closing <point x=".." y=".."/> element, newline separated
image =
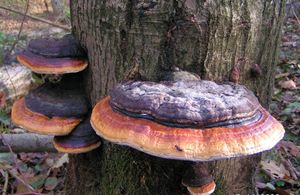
<point x="36" y="173"/>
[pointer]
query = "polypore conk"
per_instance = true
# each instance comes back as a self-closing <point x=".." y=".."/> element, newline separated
<point x="198" y="179"/>
<point x="54" y="56"/>
<point x="82" y="139"/>
<point x="187" y="120"/>
<point x="192" y="120"/>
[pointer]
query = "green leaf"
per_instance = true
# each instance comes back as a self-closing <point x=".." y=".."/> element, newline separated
<point x="292" y="107"/>
<point x="2" y="37"/>
<point x="51" y="183"/>
<point x="38" y="183"/>
<point x="4" y="117"/>
<point x="280" y="183"/>
<point x="6" y="158"/>
<point x="37" y="168"/>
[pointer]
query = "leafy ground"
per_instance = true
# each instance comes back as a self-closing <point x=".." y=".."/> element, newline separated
<point x="44" y="173"/>
<point x="280" y="169"/>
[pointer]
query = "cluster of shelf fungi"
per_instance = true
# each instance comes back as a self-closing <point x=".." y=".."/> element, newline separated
<point x="191" y="120"/>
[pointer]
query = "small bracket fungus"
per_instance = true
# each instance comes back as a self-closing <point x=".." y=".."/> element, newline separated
<point x="56" y="100"/>
<point x="38" y="123"/>
<point x="198" y="180"/>
<point x="203" y="190"/>
<point x="187" y="120"/>
<point x="82" y="139"/>
<point x="54" y="56"/>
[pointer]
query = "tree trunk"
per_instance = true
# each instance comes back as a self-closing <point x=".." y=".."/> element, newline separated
<point x="130" y="39"/>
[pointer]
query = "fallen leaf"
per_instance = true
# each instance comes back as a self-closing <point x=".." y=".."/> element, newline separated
<point x="2" y="99"/>
<point x="4" y="117"/>
<point x="64" y="159"/>
<point x="290" y="148"/>
<point x="290" y="84"/>
<point x="38" y="182"/>
<point x="280" y="183"/>
<point x="7" y="158"/>
<point x="278" y="76"/>
<point x="273" y="170"/>
<point x="51" y="183"/>
<point x="296" y="120"/>
<point x="270" y="186"/>
<point x="290" y="108"/>
<point x="260" y="185"/>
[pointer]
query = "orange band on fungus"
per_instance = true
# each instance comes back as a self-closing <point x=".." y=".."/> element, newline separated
<point x="44" y="65"/>
<point x="38" y="123"/>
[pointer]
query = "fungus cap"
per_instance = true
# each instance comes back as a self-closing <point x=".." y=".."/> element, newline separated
<point x="44" y="65"/>
<point x="55" y="100"/>
<point x="38" y="123"/>
<point x="82" y="139"/>
<point x="67" y="46"/>
<point x="193" y="120"/>
<point x="196" y="103"/>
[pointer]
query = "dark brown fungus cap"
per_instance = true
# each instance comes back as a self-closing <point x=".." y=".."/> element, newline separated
<point x="197" y="175"/>
<point x="57" y="100"/>
<point x="181" y="102"/>
<point x="66" y="46"/>
<point x="38" y="123"/>
<point x="82" y="139"/>
<point x="44" y="65"/>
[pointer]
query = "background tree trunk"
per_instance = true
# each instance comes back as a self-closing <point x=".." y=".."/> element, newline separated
<point x="131" y="39"/>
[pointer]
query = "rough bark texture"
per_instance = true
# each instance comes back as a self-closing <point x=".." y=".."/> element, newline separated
<point x="129" y="39"/>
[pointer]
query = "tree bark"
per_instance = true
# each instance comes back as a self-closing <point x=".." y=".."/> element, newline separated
<point x="129" y="39"/>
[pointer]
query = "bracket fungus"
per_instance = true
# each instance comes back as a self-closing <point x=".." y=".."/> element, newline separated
<point x="57" y="108"/>
<point x="186" y="120"/>
<point x="82" y="139"/>
<point x="198" y="179"/>
<point x="57" y="100"/>
<point x="39" y="123"/>
<point x="54" y="109"/>
<point x="54" y="56"/>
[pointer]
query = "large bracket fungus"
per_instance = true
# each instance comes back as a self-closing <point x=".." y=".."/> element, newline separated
<point x="186" y="120"/>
